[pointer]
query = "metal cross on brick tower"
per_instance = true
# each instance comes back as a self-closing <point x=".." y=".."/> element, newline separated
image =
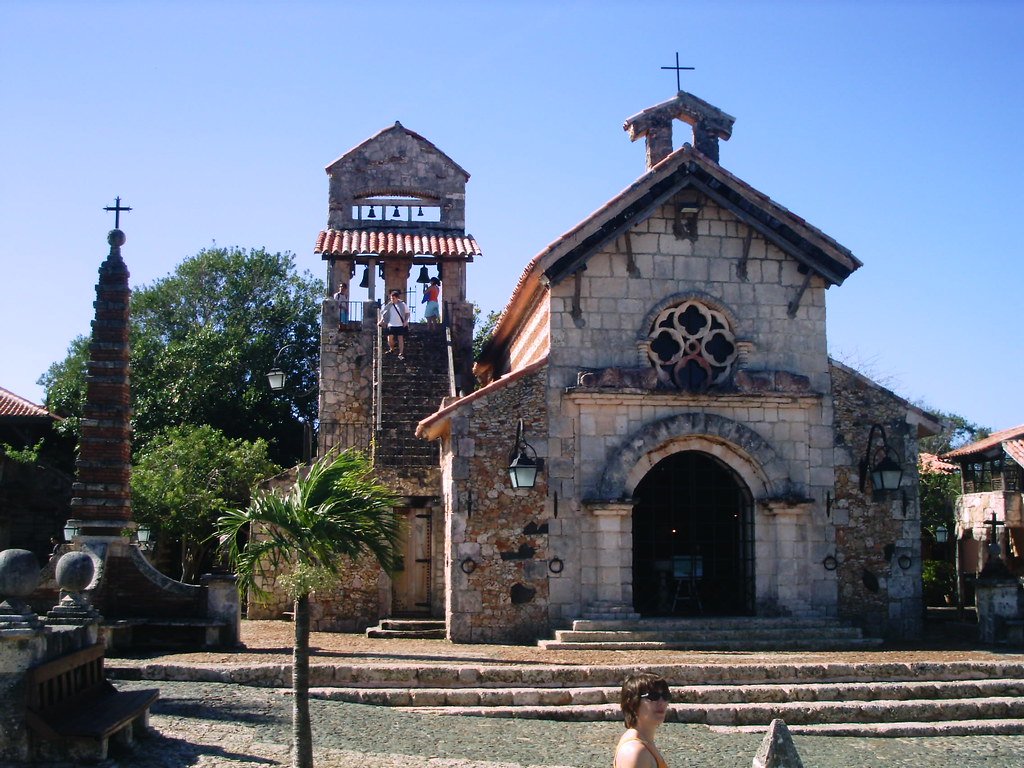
<point x="117" y="208"/>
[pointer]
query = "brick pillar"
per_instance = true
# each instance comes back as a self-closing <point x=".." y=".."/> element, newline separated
<point x="102" y="492"/>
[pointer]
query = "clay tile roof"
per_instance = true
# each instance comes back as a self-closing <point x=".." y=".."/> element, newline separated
<point x="339" y="243"/>
<point x="986" y="443"/>
<point x="1015" y="450"/>
<point x="933" y="465"/>
<point x="12" y="406"/>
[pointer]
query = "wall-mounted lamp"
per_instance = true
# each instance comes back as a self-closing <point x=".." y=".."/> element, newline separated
<point x="523" y="463"/>
<point x="145" y="536"/>
<point x="881" y="463"/>
<point x="941" y="534"/>
<point x="70" y="530"/>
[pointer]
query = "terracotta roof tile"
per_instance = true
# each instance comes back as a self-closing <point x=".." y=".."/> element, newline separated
<point x="352" y="242"/>
<point x="12" y="406"/>
<point x="980" y="446"/>
<point x="1015" y="450"/>
<point x="932" y="465"/>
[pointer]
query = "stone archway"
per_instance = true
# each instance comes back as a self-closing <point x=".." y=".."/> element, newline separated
<point x="746" y="452"/>
<point x="693" y="539"/>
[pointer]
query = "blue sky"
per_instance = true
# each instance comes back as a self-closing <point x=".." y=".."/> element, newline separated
<point x="894" y="127"/>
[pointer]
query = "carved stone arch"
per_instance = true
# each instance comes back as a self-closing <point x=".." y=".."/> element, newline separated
<point x="746" y="452"/>
<point x="644" y="328"/>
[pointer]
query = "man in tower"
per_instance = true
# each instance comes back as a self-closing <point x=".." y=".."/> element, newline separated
<point x="394" y="319"/>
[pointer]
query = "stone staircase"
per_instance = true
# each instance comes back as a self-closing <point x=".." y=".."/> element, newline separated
<point x="710" y="634"/>
<point x="408" y="629"/>
<point x="863" y="699"/>
<point x="411" y="389"/>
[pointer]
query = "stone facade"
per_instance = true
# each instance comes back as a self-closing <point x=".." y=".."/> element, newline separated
<point x="877" y="535"/>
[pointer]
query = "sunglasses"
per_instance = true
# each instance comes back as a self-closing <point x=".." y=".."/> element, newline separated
<point x="657" y="696"/>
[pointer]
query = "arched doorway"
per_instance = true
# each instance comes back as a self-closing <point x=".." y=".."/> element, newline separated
<point x="693" y="539"/>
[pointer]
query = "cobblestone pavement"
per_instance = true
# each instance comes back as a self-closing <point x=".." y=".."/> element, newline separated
<point x="213" y="725"/>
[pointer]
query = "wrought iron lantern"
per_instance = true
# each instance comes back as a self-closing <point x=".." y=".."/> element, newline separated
<point x="275" y="376"/>
<point x="70" y="530"/>
<point x="145" y="535"/>
<point x="941" y="534"/>
<point x="523" y="463"/>
<point x="881" y="462"/>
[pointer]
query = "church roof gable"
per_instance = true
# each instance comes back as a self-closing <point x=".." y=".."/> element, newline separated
<point x="686" y="167"/>
<point x="400" y="132"/>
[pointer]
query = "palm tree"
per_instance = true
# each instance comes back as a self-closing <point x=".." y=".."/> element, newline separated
<point x="336" y="511"/>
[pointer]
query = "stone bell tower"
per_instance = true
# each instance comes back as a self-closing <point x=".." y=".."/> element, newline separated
<point x="396" y="218"/>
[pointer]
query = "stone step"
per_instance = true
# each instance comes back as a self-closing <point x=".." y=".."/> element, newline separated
<point x="575" y="676"/>
<point x="993" y="727"/>
<point x="778" y="634"/>
<point x="413" y="629"/>
<point x="684" y="696"/>
<point x="804" y="643"/>
<point x="703" y="623"/>
<point x="757" y="714"/>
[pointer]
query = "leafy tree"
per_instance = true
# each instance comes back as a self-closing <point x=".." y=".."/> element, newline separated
<point x="202" y="341"/>
<point x="483" y="334"/>
<point x="337" y="511"/>
<point x="957" y="431"/>
<point x="186" y="477"/>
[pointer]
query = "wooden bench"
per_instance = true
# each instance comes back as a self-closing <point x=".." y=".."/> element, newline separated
<point x="71" y="701"/>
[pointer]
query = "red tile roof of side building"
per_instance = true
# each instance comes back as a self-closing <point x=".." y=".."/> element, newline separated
<point x="986" y="443"/>
<point x="933" y="465"/>
<point x="14" y="407"/>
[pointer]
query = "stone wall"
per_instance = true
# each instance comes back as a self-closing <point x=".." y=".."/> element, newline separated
<point x="877" y="534"/>
<point x="346" y="380"/>
<point x="397" y="162"/>
<point x="497" y="552"/>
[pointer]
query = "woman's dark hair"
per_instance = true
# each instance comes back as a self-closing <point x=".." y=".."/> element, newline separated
<point x="635" y="686"/>
<point x="395" y="292"/>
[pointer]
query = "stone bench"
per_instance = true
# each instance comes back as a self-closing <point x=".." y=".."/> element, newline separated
<point x="70" y="701"/>
<point x="156" y="632"/>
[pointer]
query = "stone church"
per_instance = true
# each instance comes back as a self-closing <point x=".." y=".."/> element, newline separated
<point x="662" y="368"/>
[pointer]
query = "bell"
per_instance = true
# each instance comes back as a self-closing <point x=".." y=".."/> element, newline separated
<point x="420" y="211"/>
<point x="371" y="214"/>
<point x="424" y="277"/>
<point x="365" y="282"/>
<point x="380" y="271"/>
<point x="397" y="214"/>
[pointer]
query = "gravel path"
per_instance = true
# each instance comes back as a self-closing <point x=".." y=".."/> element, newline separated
<point x="213" y="725"/>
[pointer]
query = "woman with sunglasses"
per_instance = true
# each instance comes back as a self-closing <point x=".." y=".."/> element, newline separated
<point x="645" y="699"/>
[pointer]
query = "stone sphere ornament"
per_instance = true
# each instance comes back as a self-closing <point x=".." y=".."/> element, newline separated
<point x="74" y="571"/>
<point x="19" y="573"/>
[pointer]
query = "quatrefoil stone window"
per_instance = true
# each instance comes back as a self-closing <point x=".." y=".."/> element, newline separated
<point x="691" y="346"/>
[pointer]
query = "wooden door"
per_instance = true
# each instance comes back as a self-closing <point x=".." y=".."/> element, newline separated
<point x="410" y="585"/>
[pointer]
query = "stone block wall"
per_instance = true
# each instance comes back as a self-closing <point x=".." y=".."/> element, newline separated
<point x="397" y="162"/>
<point x="346" y="380"/>
<point x="616" y="308"/>
<point x="877" y="534"/>
<point x="497" y="552"/>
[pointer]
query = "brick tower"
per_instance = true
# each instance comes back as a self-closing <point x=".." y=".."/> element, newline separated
<point x="102" y="491"/>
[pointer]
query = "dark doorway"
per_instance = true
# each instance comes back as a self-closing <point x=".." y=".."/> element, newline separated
<point x="693" y="539"/>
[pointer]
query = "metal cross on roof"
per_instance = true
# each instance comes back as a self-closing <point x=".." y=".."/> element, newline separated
<point x="994" y="522"/>
<point x="117" y="208"/>
<point x="678" y="69"/>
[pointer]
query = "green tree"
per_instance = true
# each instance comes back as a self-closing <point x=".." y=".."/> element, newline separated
<point x="202" y="341"/>
<point x="956" y="431"/>
<point x="337" y="511"/>
<point x="186" y="477"/>
<point x="483" y="334"/>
